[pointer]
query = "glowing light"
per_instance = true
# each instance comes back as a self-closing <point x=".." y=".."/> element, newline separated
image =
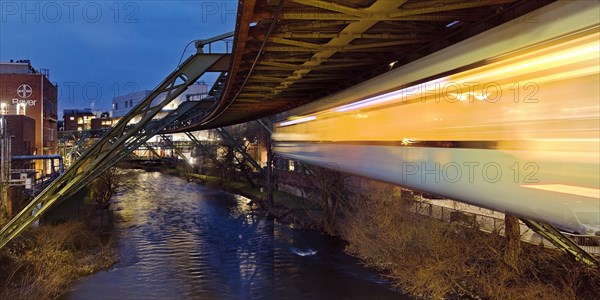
<point x="465" y="96"/>
<point x="566" y="189"/>
<point x="452" y="24"/>
<point x="21" y="108"/>
<point x="535" y="63"/>
<point x="403" y="93"/>
<point x="297" y="121"/>
<point x="399" y="94"/>
<point x="407" y="141"/>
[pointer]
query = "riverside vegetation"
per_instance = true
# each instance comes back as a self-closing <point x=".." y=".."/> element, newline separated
<point x="431" y="259"/>
<point x="425" y="257"/>
<point x="45" y="259"/>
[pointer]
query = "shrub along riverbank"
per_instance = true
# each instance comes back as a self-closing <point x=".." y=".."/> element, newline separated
<point x="432" y="259"/>
<point x="44" y="260"/>
<point x="425" y="257"/>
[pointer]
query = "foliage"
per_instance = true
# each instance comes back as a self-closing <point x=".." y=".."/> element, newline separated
<point x="432" y="259"/>
<point x="221" y="158"/>
<point x="105" y="186"/>
<point x="43" y="261"/>
<point x="326" y="188"/>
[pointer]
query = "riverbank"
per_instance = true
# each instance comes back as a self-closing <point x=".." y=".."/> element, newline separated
<point x="432" y="259"/>
<point x="425" y="257"/>
<point x="44" y="260"/>
<point x="182" y="240"/>
<point x="287" y="208"/>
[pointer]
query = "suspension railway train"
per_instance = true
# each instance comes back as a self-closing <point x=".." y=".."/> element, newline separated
<point x="508" y="119"/>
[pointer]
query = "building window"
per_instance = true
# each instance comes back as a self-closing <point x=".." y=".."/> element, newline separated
<point x="71" y="118"/>
<point x="115" y="106"/>
<point x="291" y="166"/>
<point x="49" y="134"/>
<point x="21" y="107"/>
<point x="3" y="109"/>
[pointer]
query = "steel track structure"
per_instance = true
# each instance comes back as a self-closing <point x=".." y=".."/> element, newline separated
<point x="122" y="139"/>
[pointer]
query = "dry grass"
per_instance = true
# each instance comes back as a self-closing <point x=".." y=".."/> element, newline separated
<point x="435" y="260"/>
<point x="44" y="260"/>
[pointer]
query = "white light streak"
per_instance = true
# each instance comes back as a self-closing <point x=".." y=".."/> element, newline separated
<point x="297" y="121"/>
<point x="566" y="189"/>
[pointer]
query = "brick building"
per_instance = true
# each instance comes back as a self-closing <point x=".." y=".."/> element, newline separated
<point x="26" y="92"/>
<point x="77" y="119"/>
<point x="22" y="130"/>
<point x="104" y="121"/>
<point x="85" y="119"/>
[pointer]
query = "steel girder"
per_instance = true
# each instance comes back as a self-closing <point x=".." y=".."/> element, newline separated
<point x="78" y="148"/>
<point x="562" y="242"/>
<point x="191" y="119"/>
<point x="151" y="149"/>
<point x="117" y="143"/>
<point x="228" y="138"/>
<point x="201" y="145"/>
<point x="177" y="151"/>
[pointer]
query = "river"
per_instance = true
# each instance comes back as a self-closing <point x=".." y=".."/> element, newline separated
<point x="181" y="240"/>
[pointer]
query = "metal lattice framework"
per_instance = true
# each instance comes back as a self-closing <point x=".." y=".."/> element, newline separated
<point x="562" y="242"/>
<point x="287" y="53"/>
<point x="226" y="136"/>
<point x="120" y="141"/>
<point x="176" y="149"/>
<point x="290" y="52"/>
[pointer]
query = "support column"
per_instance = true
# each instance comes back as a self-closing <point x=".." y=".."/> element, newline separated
<point x="562" y="242"/>
<point x="5" y="167"/>
<point x="269" y="167"/>
<point x="513" y="240"/>
<point x="268" y="126"/>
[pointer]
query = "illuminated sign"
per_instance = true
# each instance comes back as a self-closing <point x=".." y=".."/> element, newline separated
<point x="24" y="91"/>
<point x="28" y="102"/>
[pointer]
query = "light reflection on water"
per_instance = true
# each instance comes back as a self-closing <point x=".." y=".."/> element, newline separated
<point x="180" y="240"/>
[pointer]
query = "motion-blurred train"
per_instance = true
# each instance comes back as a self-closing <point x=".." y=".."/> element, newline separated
<point x="508" y="119"/>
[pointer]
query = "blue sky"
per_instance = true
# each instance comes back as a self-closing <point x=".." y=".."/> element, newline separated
<point x="96" y="50"/>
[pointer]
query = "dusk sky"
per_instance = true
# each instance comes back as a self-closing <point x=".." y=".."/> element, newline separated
<point x="96" y="50"/>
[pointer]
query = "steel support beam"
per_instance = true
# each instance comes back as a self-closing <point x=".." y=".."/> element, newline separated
<point x="341" y="43"/>
<point x="228" y="138"/>
<point x="561" y="241"/>
<point x="117" y="143"/>
<point x="177" y="151"/>
<point x="151" y="149"/>
<point x="266" y="124"/>
<point x="358" y="12"/>
<point x="201" y="145"/>
<point x="78" y="149"/>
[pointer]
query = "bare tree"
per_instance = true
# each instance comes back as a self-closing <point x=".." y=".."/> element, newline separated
<point x="513" y="241"/>
<point x="104" y="187"/>
<point x="327" y="187"/>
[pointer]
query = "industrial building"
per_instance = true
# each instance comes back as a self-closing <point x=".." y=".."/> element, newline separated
<point x="28" y="98"/>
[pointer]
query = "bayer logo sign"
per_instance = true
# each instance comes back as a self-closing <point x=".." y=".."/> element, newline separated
<point x="24" y="91"/>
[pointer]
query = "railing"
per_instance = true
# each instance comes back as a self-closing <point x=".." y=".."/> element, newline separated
<point x="486" y="223"/>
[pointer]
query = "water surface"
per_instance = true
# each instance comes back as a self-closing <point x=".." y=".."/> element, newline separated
<point x="180" y="240"/>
